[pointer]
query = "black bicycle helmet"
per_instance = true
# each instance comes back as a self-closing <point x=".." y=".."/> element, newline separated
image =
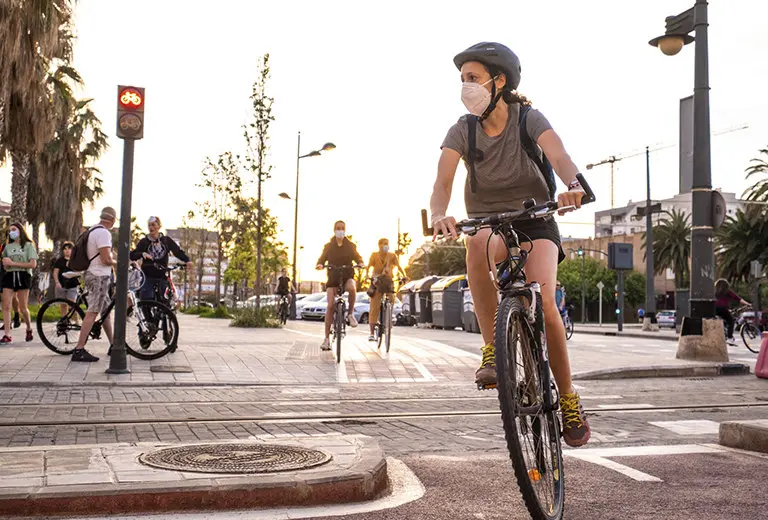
<point x="493" y="54"/>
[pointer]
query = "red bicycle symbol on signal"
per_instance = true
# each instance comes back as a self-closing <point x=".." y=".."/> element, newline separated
<point x="130" y="97"/>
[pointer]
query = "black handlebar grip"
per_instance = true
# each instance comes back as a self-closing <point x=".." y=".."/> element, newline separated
<point x="529" y="203"/>
<point x="428" y="231"/>
<point x="589" y="195"/>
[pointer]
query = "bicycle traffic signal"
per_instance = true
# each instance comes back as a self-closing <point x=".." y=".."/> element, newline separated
<point x="130" y="112"/>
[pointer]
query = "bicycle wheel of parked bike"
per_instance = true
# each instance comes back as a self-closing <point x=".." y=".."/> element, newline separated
<point x="528" y="411"/>
<point x="751" y="336"/>
<point x="151" y="331"/>
<point x="339" y="317"/>
<point x="60" y="330"/>
<point x="568" y="327"/>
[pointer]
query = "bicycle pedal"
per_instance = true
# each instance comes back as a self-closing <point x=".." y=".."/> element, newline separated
<point x="481" y="386"/>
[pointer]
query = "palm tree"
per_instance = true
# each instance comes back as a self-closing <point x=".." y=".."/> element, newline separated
<point x="759" y="166"/>
<point x="672" y="246"/>
<point x="740" y="240"/>
<point x="33" y="35"/>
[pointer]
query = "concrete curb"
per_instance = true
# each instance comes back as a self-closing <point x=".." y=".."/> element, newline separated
<point x="366" y="479"/>
<point x="716" y="369"/>
<point x="617" y="334"/>
<point x="745" y="435"/>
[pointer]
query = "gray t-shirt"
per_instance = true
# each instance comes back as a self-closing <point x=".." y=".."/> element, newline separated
<point x="506" y="176"/>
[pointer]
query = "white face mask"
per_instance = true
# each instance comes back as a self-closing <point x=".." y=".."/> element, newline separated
<point x="384" y="249"/>
<point x="475" y="97"/>
<point x="339" y="233"/>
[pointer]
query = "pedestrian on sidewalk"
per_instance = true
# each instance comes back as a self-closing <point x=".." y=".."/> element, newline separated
<point x="16" y="315"/>
<point x="19" y="258"/>
<point x="65" y="287"/>
<point x="98" y="278"/>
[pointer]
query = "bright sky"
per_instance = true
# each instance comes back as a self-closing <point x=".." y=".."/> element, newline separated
<point x="377" y="79"/>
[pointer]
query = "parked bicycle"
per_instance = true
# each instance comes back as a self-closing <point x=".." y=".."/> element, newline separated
<point x="527" y="394"/>
<point x="339" y="328"/>
<point x="382" y="330"/>
<point x="153" y="323"/>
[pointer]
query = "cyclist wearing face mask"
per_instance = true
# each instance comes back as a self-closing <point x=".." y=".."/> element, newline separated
<point x="380" y="267"/>
<point x="339" y="251"/>
<point x="504" y="177"/>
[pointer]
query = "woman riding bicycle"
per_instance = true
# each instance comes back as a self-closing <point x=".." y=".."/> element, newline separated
<point x="339" y="251"/>
<point x="723" y="298"/>
<point x="502" y="181"/>
<point x="380" y="267"/>
<point x="153" y="251"/>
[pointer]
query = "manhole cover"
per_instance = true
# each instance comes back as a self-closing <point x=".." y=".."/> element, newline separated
<point x="170" y="368"/>
<point x="235" y="458"/>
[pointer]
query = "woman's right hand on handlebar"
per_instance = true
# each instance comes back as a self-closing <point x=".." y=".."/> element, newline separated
<point x="445" y="226"/>
<point x="319" y="267"/>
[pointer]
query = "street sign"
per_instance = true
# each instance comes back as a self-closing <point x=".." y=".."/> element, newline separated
<point x="718" y="209"/>
<point x="130" y="112"/>
<point x="756" y="268"/>
<point x="600" y="285"/>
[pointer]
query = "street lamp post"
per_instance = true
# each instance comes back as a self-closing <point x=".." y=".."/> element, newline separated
<point x="649" y="318"/>
<point x="314" y="153"/>
<point x="702" y="301"/>
<point x="581" y="253"/>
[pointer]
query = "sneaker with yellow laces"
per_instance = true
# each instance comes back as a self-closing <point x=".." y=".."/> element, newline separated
<point x="485" y="376"/>
<point x="576" y="430"/>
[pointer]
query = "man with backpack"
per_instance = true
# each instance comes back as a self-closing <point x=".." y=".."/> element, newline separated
<point x="93" y="254"/>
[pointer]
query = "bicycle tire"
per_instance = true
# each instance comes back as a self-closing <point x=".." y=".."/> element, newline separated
<point x="752" y="337"/>
<point x="61" y="326"/>
<point x="339" y="318"/>
<point x="568" y="328"/>
<point x="388" y="326"/>
<point x="380" y="326"/>
<point x="522" y="386"/>
<point x="160" y="319"/>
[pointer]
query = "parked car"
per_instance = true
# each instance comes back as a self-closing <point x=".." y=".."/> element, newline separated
<point x="309" y="300"/>
<point x="666" y="318"/>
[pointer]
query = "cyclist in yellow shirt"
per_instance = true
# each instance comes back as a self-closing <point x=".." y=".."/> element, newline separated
<point x="382" y="264"/>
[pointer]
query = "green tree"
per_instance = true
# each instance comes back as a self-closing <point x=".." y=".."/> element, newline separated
<point x="443" y="258"/>
<point x="672" y="246"/>
<point x="256" y="133"/>
<point x="35" y="37"/>
<point x="741" y="239"/>
<point x="758" y="168"/>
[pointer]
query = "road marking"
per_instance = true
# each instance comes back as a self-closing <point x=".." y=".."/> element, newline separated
<point x="615" y="466"/>
<point x="305" y="333"/>
<point x="600" y="456"/>
<point x="341" y="372"/>
<point x="601" y="397"/>
<point x="633" y="405"/>
<point x="692" y="427"/>
<point x="447" y="349"/>
<point x="424" y="372"/>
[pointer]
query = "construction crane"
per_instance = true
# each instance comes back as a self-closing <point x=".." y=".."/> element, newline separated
<point x="613" y="159"/>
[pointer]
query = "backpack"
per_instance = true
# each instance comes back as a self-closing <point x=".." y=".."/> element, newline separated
<point x="79" y="260"/>
<point x="528" y="145"/>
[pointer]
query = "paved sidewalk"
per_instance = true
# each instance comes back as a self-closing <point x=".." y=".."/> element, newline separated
<point x="212" y="353"/>
<point x="630" y="330"/>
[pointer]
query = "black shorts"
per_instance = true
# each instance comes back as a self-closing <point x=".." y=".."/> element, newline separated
<point x="337" y="279"/>
<point x="536" y="229"/>
<point x="17" y="280"/>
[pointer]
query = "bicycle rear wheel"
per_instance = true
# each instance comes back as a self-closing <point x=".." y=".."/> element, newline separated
<point x="751" y="336"/>
<point x="527" y="399"/>
<point x="339" y="320"/>
<point x="60" y="332"/>
<point x="152" y="329"/>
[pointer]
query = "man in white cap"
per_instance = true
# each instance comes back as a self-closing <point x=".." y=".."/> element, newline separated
<point x="98" y="278"/>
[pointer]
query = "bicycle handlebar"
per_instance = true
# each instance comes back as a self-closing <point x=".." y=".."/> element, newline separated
<point x="530" y="211"/>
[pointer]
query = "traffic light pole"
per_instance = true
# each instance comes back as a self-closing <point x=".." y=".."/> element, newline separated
<point x="118" y="364"/>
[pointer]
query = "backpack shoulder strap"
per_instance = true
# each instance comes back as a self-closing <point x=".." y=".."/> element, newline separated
<point x="97" y="226"/>
<point x="472" y="151"/>
<point x="532" y="149"/>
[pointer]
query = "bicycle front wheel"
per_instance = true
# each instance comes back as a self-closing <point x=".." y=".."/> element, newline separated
<point x="751" y="336"/>
<point x="152" y="331"/>
<point x="527" y="399"/>
<point x="339" y="320"/>
<point x="58" y="324"/>
<point x="568" y="328"/>
<point x="387" y="325"/>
